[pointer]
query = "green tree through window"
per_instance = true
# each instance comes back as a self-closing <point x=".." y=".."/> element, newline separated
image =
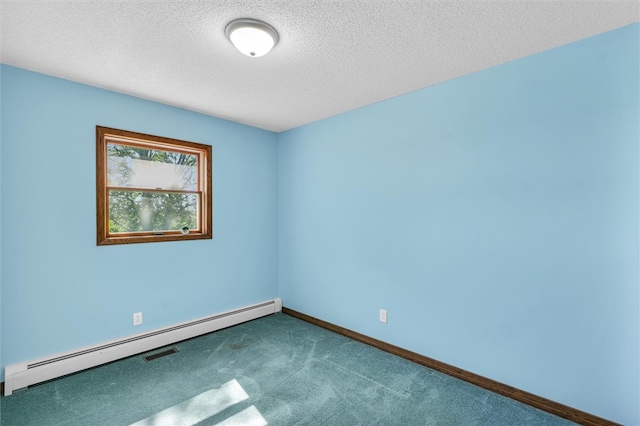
<point x="151" y="188"/>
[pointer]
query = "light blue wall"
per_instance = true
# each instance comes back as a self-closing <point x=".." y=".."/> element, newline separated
<point x="61" y="291"/>
<point x="494" y="216"/>
<point x="1" y="192"/>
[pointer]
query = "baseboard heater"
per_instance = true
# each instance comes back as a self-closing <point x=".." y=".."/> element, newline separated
<point x="27" y="373"/>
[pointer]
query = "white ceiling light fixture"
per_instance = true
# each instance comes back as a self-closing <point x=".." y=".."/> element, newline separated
<point x="252" y="37"/>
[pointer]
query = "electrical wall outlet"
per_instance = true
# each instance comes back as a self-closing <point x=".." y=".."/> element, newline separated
<point x="383" y="315"/>
<point x="137" y="318"/>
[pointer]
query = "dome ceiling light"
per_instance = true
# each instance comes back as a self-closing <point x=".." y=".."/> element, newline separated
<point x="251" y="37"/>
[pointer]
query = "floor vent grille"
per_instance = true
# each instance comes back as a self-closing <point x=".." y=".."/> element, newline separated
<point x="160" y="354"/>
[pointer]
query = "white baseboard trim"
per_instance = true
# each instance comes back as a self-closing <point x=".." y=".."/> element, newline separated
<point x="27" y="373"/>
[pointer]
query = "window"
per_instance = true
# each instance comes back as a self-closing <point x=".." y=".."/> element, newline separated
<point x="150" y="188"/>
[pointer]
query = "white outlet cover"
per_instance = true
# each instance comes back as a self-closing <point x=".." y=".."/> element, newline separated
<point x="137" y="318"/>
<point x="383" y="315"/>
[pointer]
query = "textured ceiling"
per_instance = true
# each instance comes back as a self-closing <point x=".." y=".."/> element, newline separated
<point x="333" y="56"/>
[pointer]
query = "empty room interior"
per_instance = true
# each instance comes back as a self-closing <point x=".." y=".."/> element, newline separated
<point x="440" y="186"/>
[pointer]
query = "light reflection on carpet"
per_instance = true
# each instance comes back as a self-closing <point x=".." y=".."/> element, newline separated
<point x="206" y="405"/>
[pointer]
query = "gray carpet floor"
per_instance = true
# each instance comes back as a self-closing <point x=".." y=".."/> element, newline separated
<point x="276" y="370"/>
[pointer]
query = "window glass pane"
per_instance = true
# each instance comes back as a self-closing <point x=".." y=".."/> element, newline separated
<point x="134" y="211"/>
<point x="131" y="166"/>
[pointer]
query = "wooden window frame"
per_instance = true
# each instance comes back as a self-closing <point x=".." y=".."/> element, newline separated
<point x="106" y="135"/>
